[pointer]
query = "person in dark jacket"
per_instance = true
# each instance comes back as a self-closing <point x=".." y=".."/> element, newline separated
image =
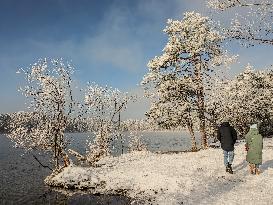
<point x="227" y="136"/>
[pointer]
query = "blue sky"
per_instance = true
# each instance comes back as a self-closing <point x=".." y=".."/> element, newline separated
<point x="108" y="41"/>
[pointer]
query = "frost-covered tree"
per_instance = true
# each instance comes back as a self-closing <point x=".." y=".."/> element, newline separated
<point x="193" y="49"/>
<point x="49" y="90"/>
<point x="246" y="99"/>
<point x="252" y="22"/>
<point x="104" y="105"/>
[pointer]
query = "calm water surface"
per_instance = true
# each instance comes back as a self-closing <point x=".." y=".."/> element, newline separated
<point x="21" y="177"/>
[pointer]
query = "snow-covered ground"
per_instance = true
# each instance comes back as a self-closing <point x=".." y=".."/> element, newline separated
<point x="184" y="178"/>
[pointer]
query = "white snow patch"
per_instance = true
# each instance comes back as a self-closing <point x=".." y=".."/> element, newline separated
<point x="74" y="177"/>
<point x="188" y="178"/>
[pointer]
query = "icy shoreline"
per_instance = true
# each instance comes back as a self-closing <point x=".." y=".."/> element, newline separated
<point x="188" y="178"/>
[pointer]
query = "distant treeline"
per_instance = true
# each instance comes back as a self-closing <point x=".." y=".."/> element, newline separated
<point x="4" y="123"/>
<point x="77" y="124"/>
<point x="88" y="124"/>
<point x="73" y="126"/>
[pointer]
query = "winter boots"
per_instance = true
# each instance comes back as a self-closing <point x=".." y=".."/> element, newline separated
<point x="257" y="171"/>
<point x="254" y="169"/>
<point x="229" y="169"/>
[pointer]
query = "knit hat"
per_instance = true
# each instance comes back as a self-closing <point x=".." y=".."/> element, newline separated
<point x="254" y="126"/>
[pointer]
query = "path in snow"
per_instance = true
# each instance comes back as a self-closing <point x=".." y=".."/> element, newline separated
<point x="184" y="178"/>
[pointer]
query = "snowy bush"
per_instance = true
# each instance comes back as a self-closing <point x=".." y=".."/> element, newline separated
<point x="104" y="105"/>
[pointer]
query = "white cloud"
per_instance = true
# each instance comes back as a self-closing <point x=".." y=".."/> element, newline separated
<point x="107" y="50"/>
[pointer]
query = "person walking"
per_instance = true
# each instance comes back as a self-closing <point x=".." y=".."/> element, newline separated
<point x="227" y="136"/>
<point x="254" y="147"/>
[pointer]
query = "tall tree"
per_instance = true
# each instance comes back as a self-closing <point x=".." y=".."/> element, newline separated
<point x="193" y="49"/>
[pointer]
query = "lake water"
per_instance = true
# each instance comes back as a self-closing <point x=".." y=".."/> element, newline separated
<point x="21" y="176"/>
<point x="160" y="141"/>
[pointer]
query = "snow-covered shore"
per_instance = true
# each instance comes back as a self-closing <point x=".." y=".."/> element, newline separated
<point x="184" y="178"/>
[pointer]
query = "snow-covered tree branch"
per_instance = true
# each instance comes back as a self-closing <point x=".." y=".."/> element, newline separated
<point x="252" y="23"/>
<point x="49" y="90"/>
<point x="226" y="4"/>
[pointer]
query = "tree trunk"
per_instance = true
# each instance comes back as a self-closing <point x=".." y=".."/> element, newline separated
<point x="120" y="136"/>
<point x="55" y="152"/>
<point x="200" y="102"/>
<point x="214" y="125"/>
<point x="200" y="99"/>
<point x="193" y="141"/>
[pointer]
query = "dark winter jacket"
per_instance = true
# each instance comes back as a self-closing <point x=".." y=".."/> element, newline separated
<point x="227" y="136"/>
<point x="254" y="143"/>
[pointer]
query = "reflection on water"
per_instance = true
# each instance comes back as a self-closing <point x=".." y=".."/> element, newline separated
<point x="21" y="181"/>
<point x="21" y="177"/>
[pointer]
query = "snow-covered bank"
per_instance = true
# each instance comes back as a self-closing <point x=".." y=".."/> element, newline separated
<point x="184" y="178"/>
